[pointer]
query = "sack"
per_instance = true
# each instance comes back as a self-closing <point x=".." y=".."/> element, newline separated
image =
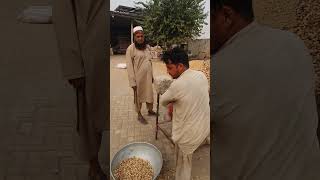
<point x="162" y="83"/>
<point x="121" y="66"/>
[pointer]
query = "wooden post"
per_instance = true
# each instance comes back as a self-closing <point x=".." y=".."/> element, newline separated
<point x="157" y="118"/>
<point x="131" y="32"/>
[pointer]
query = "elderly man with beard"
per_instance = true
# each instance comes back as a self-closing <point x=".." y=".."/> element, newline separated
<point x="265" y="115"/>
<point x="140" y="73"/>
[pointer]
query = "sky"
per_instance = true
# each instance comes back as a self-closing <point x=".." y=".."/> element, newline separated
<point x="206" y="28"/>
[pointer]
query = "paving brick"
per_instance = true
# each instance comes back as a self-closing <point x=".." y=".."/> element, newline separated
<point x="68" y="173"/>
<point x="45" y="162"/>
<point x="66" y="141"/>
<point x="51" y="139"/>
<point x="131" y="139"/>
<point x="42" y="102"/>
<point x="82" y="172"/>
<point x="137" y="131"/>
<point x="17" y="163"/>
<point x="117" y="132"/>
<point x="32" y="140"/>
<point x="66" y="153"/>
<point x="43" y="177"/>
<point x="124" y="132"/>
<point x="130" y="132"/>
<point x="25" y="128"/>
<point x="26" y="147"/>
<point x="15" y="177"/>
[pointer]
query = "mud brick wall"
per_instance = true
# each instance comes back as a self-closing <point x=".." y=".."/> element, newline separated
<point x="298" y="16"/>
<point x="200" y="48"/>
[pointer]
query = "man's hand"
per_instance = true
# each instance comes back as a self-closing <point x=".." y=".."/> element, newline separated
<point x="168" y="115"/>
<point x="134" y="88"/>
<point x="77" y="83"/>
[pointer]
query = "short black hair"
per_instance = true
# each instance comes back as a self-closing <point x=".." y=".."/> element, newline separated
<point x="175" y="56"/>
<point x="243" y="7"/>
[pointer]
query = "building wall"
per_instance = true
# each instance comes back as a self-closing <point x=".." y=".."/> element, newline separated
<point x="298" y="16"/>
<point x="276" y="13"/>
<point x="199" y="48"/>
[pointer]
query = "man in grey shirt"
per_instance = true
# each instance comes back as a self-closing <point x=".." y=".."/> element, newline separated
<point x="81" y="32"/>
<point x="264" y="109"/>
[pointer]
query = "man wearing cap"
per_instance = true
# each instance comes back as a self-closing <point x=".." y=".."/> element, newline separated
<point x="140" y="73"/>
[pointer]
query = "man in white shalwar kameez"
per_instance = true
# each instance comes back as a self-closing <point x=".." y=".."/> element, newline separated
<point x="265" y="116"/>
<point x="188" y="94"/>
<point x="140" y="73"/>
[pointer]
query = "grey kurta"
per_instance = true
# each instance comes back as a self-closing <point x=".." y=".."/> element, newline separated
<point x="265" y="115"/>
<point x="140" y="72"/>
<point x="81" y="32"/>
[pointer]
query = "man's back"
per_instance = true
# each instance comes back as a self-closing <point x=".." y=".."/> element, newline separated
<point x="265" y="116"/>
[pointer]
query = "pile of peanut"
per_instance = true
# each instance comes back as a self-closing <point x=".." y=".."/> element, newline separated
<point x="134" y="169"/>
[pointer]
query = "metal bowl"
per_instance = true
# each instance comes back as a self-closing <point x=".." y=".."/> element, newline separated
<point x="141" y="150"/>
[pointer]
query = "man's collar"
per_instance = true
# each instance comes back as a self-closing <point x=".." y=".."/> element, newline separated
<point x="240" y="33"/>
<point x="187" y="70"/>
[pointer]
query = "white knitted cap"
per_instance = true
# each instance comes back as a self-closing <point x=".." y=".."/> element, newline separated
<point x="137" y="28"/>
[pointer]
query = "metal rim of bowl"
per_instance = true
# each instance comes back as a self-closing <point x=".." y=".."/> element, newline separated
<point x="111" y="173"/>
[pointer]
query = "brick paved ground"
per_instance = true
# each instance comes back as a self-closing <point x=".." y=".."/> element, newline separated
<point x="125" y="128"/>
<point x="37" y="107"/>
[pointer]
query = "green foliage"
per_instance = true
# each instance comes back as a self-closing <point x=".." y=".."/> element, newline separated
<point x="172" y="21"/>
